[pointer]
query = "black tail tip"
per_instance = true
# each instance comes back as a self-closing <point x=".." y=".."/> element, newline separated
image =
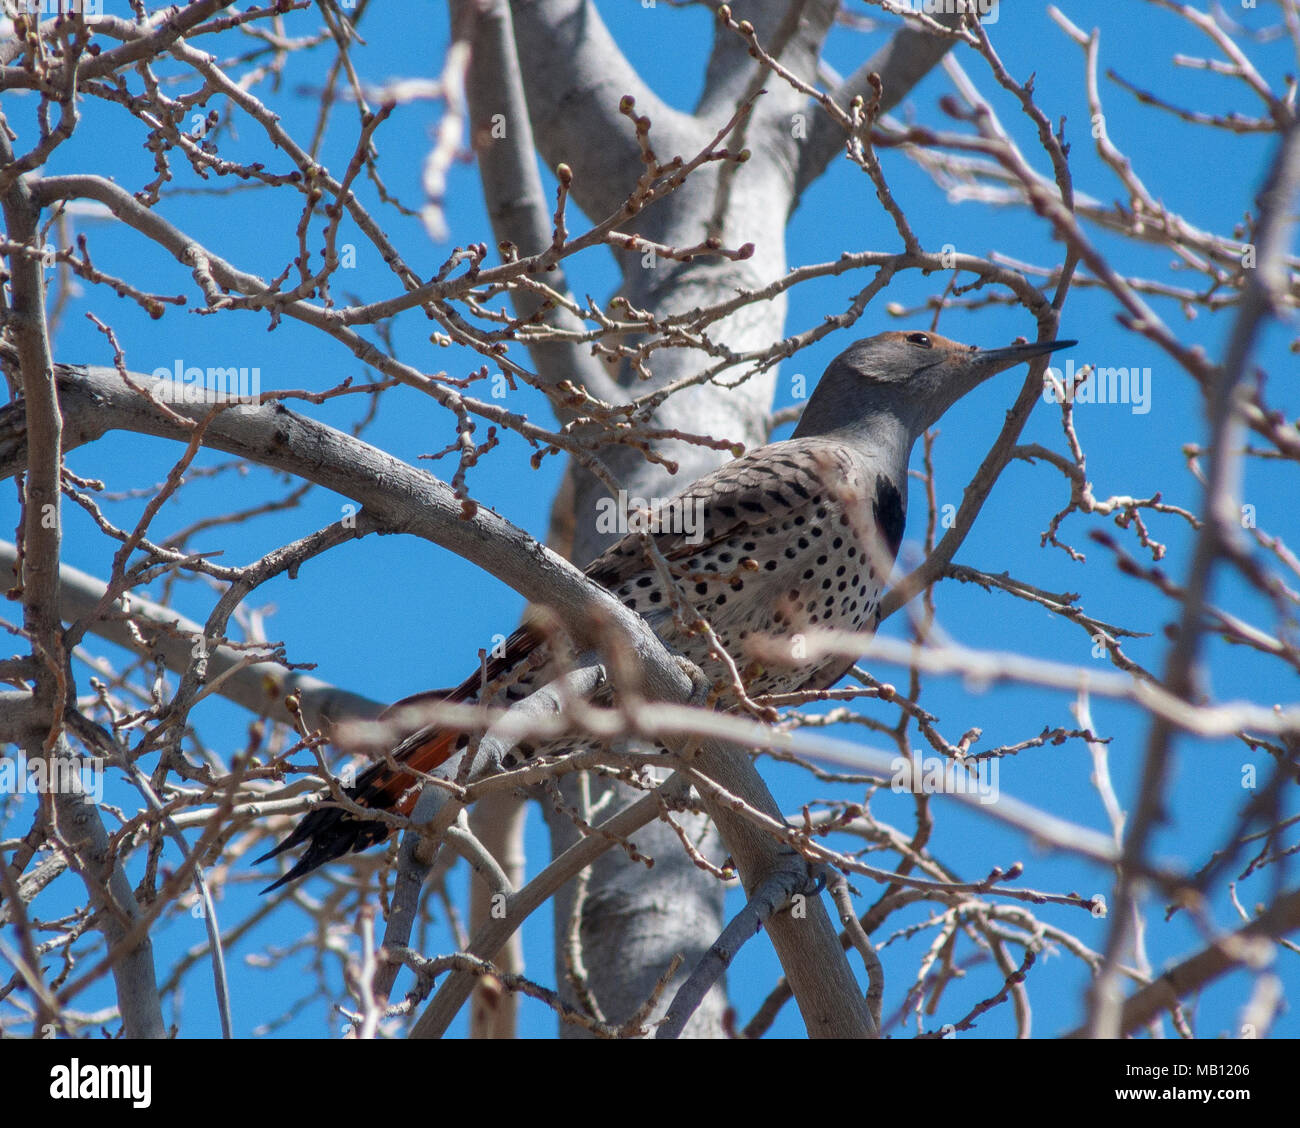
<point x="285" y="879"/>
<point x="329" y="833"/>
<point x="311" y="859"/>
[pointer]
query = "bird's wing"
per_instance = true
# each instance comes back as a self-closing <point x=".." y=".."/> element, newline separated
<point x="744" y="495"/>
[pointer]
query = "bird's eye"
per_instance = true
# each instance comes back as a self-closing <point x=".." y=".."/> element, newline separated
<point x="919" y="339"/>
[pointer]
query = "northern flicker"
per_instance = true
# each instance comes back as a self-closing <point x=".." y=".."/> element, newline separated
<point x="794" y="536"/>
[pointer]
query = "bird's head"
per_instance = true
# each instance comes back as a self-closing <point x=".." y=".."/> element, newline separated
<point x="908" y="377"/>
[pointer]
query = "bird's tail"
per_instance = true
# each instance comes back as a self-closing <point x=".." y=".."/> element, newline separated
<point x="392" y="784"/>
<point x="331" y="832"/>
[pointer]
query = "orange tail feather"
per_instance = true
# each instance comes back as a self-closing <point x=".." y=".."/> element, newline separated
<point x="331" y="832"/>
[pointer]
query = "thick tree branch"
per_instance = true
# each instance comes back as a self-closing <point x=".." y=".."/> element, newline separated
<point x="575" y="78"/>
<point x="502" y="137"/>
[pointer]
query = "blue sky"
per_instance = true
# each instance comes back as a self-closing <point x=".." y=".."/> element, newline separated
<point x="413" y="615"/>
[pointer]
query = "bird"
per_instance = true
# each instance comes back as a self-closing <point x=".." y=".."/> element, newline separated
<point x="796" y="535"/>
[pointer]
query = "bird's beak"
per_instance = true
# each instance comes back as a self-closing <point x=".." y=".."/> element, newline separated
<point x="995" y="360"/>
